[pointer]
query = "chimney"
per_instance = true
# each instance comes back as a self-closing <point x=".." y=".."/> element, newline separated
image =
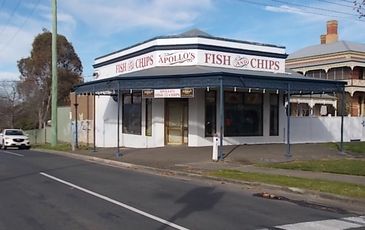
<point x="323" y="39"/>
<point x="332" y="35"/>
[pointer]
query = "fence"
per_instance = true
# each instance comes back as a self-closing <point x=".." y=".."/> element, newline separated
<point x="326" y="129"/>
<point x="42" y="136"/>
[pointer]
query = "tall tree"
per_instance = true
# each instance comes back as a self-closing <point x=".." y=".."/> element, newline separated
<point x="359" y="6"/>
<point x="10" y="105"/>
<point x="35" y="80"/>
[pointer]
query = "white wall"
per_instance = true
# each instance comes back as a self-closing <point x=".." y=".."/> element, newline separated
<point x="197" y="119"/>
<point x="106" y="125"/>
<point x="325" y="129"/>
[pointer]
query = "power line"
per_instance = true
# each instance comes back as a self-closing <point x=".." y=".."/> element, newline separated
<point x="349" y="1"/>
<point x="21" y="26"/>
<point x="297" y="10"/>
<point x="10" y="17"/>
<point x="336" y="3"/>
<point x="314" y="8"/>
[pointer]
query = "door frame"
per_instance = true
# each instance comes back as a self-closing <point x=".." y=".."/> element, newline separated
<point x="185" y="103"/>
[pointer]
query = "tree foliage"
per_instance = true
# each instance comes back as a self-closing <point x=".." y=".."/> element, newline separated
<point x="359" y="6"/>
<point x="36" y="75"/>
<point x="10" y="105"/>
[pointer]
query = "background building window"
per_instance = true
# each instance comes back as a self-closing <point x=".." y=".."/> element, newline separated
<point x="274" y="114"/>
<point x="132" y="113"/>
<point x="148" y="117"/>
<point x="210" y="113"/>
<point x="243" y="114"/>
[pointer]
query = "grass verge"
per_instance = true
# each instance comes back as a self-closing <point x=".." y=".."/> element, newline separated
<point x="338" y="188"/>
<point x="355" y="148"/>
<point x="341" y="166"/>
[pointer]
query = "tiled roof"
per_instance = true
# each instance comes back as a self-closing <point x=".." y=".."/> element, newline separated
<point x="322" y="49"/>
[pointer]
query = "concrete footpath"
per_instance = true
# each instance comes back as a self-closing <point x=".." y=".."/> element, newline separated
<point x="195" y="161"/>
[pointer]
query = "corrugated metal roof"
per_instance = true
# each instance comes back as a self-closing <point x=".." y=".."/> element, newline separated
<point x="322" y="49"/>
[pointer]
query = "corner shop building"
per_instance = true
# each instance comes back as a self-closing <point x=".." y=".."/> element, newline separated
<point x="184" y="89"/>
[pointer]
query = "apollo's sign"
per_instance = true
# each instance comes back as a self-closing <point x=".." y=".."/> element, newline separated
<point x="198" y="57"/>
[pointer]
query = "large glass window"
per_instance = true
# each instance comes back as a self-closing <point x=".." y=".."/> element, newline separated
<point x="274" y="114"/>
<point x="132" y="113"/>
<point x="243" y="114"/>
<point x="210" y="113"/>
<point x="148" y="117"/>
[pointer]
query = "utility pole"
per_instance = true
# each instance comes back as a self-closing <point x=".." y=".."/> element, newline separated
<point x="54" y="74"/>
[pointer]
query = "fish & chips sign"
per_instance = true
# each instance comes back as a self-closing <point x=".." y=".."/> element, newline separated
<point x="200" y="57"/>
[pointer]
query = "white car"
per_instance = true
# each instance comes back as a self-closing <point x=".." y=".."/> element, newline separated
<point x="14" y="138"/>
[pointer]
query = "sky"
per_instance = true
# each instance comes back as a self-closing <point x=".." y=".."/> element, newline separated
<point x="99" y="27"/>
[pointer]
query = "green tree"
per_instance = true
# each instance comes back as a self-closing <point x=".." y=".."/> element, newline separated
<point x="35" y="81"/>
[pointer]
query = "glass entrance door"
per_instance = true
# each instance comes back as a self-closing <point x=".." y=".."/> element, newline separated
<point x="176" y="121"/>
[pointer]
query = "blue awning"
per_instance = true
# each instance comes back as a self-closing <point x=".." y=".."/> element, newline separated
<point x="203" y="77"/>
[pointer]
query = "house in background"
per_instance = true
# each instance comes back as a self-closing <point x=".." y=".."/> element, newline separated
<point x="332" y="59"/>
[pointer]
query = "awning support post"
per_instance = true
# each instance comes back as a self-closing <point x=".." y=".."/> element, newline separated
<point x="118" y="154"/>
<point x="288" y="150"/>
<point x="221" y="115"/>
<point x="76" y="125"/>
<point x="94" y="123"/>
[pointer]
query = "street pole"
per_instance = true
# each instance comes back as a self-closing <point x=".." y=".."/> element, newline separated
<point x="54" y="74"/>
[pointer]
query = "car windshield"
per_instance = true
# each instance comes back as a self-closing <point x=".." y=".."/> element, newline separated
<point x="14" y="132"/>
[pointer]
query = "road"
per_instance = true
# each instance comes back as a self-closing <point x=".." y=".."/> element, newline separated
<point x="47" y="191"/>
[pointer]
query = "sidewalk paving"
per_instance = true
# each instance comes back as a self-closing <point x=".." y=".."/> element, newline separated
<point x="242" y="158"/>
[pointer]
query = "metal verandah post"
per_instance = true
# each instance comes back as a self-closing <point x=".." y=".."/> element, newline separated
<point x="76" y="125"/>
<point x="94" y="123"/>
<point x="118" y="154"/>
<point x="288" y="151"/>
<point x="342" y="117"/>
<point x="221" y="114"/>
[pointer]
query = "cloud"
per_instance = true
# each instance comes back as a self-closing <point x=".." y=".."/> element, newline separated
<point x="114" y="16"/>
<point x="17" y="32"/>
<point x="285" y="9"/>
<point x="9" y="76"/>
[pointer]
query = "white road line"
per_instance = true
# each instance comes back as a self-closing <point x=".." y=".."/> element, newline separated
<point x="15" y="154"/>
<point x="359" y="219"/>
<point x="334" y="224"/>
<point x="116" y="202"/>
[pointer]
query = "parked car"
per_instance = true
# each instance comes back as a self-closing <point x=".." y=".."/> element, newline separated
<point x="14" y="138"/>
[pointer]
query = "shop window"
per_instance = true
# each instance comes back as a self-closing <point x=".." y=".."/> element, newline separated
<point x="243" y="114"/>
<point x="274" y="114"/>
<point x="148" y="117"/>
<point x="132" y="113"/>
<point x="210" y="113"/>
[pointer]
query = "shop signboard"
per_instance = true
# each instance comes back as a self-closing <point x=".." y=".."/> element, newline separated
<point x="168" y="93"/>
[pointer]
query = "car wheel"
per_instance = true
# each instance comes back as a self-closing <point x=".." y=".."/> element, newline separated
<point x="5" y="147"/>
<point x="27" y="147"/>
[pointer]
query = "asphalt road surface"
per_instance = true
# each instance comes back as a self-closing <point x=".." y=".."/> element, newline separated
<point x="47" y="191"/>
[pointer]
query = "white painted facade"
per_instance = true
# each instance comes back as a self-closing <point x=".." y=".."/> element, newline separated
<point x="115" y="65"/>
<point x="106" y="125"/>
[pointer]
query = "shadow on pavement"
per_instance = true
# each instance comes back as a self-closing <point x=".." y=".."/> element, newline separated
<point x="193" y="202"/>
